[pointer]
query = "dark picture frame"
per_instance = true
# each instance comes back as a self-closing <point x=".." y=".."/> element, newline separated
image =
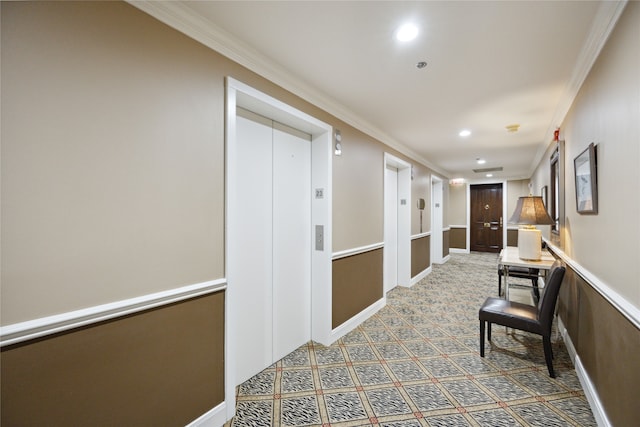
<point x="585" y="169"/>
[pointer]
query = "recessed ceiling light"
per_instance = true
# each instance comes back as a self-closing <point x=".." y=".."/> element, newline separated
<point x="407" y="32"/>
<point x="489" y="175"/>
<point x="464" y="133"/>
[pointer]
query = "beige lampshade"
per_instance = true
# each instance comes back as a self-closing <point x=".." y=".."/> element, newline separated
<point x="530" y="210"/>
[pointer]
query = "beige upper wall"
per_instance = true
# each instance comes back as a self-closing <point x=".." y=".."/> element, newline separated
<point x="515" y="190"/>
<point x="606" y="112"/>
<point x="111" y="186"/>
<point x="358" y="197"/>
<point x="420" y="189"/>
<point x="113" y="159"/>
<point x="457" y="204"/>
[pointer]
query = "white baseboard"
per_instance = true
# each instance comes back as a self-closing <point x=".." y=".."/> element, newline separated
<point x="420" y="276"/>
<point x="589" y="389"/>
<point x="216" y="417"/>
<point x="356" y="320"/>
<point x="458" y="251"/>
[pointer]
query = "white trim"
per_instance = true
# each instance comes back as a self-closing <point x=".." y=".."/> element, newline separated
<point x="446" y="228"/>
<point x="505" y="212"/>
<point x="468" y="217"/>
<point x="215" y="417"/>
<point x="424" y="273"/>
<point x="628" y="310"/>
<point x="355" y="321"/>
<point x="587" y="386"/>
<point x="436" y="244"/>
<point x="421" y="235"/>
<point x="24" y="331"/>
<point x="183" y="19"/>
<point x="601" y="27"/>
<point x="458" y="251"/>
<point x="356" y="251"/>
<point x="592" y="396"/>
<point x="446" y="258"/>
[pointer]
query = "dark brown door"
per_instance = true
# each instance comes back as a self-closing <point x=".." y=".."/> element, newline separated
<point x="486" y="218"/>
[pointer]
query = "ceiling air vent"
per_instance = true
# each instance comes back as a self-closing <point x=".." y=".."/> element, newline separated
<point x="498" y="169"/>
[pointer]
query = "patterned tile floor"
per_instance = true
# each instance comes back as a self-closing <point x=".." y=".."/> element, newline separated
<point x="416" y="363"/>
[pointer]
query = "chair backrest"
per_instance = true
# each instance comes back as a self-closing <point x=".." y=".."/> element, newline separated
<point x="547" y="304"/>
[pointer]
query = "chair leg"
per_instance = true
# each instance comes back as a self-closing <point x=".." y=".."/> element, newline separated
<point x="499" y="284"/>
<point x="536" y="290"/>
<point x="548" y="355"/>
<point x="489" y="331"/>
<point x="482" y="338"/>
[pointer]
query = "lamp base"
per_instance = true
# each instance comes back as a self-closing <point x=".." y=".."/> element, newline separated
<point x="530" y="244"/>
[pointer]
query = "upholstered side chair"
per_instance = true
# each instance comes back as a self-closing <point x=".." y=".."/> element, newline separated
<point x="530" y="318"/>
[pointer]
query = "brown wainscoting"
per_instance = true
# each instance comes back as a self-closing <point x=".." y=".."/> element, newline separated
<point x="608" y="345"/>
<point x="420" y="255"/>
<point x="512" y="237"/>
<point x="163" y="366"/>
<point x="458" y="238"/>
<point x="446" y="235"/>
<point x="357" y="283"/>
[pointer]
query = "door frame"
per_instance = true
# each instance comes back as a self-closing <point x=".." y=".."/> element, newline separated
<point x="437" y="229"/>
<point x="390" y="229"/>
<point x="504" y="209"/>
<point x="239" y="94"/>
<point x="404" y="217"/>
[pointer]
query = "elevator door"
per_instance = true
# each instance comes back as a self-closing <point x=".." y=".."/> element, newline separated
<point x="272" y="284"/>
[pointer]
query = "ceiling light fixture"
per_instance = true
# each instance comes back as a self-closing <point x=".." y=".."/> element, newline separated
<point x="407" y="32"/>
<point x="464" y="133"/>
<point x="489" y="175"/>
<point x="481" y="161"/>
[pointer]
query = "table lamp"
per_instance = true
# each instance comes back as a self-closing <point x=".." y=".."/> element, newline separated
<point x="530" y="211"/>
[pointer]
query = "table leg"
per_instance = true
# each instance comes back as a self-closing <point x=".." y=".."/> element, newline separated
<point x="505" y="273"/>
<point x="506" y="289"/>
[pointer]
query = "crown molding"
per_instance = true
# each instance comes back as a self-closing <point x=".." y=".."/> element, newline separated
<point x="603" y="24"/>
<point x="182" y="18"/>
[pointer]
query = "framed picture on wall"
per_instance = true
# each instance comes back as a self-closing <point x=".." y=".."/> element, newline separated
<point x="586" y="181"/>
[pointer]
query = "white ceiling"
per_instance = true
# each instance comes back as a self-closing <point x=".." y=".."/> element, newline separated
<point x="490" y="64"/>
